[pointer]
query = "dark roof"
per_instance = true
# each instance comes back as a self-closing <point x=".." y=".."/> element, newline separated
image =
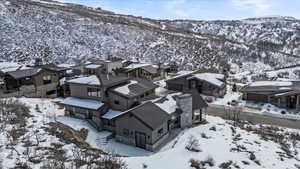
<point x="53" y="67"/>
<point x="24" y="73"/>
<point x="138" y="88"/>
<point x="151" y="69"/>
<point x="198" y="101"/>
<point x="109" y="80"/>
<point x="150" y="114"/>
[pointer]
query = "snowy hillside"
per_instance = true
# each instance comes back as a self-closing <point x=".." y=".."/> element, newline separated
<point x="72" y="33"/>
<point x="51" y="139"/>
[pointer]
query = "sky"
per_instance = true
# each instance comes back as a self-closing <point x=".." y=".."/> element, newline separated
<point x="198" y="9"/>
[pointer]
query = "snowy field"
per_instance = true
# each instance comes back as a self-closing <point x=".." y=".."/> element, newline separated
<point x="219" y="142"/>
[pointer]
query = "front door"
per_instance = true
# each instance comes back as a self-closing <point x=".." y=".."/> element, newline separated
<point x="140" y="140"/>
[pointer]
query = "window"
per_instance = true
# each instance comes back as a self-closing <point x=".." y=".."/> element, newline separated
<point x="47" y="79"/>
<point x="94" y="92"/>
<point x="160" y="131"/>
<point x="51" y="92"/>
<point x="117" y="102"/>
<point x="126" y="132"/>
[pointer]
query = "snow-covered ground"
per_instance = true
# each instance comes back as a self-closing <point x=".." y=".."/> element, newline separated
<point x="219" y="144"/>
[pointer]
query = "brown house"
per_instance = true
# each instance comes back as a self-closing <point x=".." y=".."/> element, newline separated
<point x="31" y="82"/>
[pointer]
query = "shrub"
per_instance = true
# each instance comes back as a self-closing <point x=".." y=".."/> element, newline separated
<point x="196" y="164"/>
<point x="193" y="144"/>
<point x="213" y="128"/>
<point x="209" y="160"/>
<point x="225" y="165"/>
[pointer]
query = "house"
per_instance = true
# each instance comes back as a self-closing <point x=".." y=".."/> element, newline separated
<point x="129" y="108"/>
<point x="115" y="92"/>
<point x="211" y="84"/>
<point x="31" y="82"/>
<point x="108" y="66"/>
<point x="280" y="93"/>
<point x="148" y="125"/>
<point x="142" y="70"/>
<point x="144" y="126"/>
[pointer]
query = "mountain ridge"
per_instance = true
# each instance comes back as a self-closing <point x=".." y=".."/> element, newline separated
<point x="89" y="32"/>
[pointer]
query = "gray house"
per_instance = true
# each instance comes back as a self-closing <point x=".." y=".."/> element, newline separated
<point x="145" y="126"/>
<point x="129" y="109"/>
<point x="211" y="84"/>
<point x="280" y="93"/>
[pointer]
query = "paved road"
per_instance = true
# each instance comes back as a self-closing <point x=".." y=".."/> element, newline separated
<point x="254" y="117"/>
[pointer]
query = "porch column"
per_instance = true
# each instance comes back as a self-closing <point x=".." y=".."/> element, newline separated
<point x="297" y="104"/>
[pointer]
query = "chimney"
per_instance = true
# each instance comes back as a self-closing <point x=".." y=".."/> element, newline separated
<point x="185" y="104"/>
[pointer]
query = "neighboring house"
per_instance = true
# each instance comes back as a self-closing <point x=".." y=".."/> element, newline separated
<point x="93" y="69"/>
<point x="211" y="84"/>
<point x="31" y="82"/>
<point x="280" y="93"/>
<point x="142" y="70"/>
<point x="108" y="66"/>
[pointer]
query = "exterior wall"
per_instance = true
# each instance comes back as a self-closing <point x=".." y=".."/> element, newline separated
<point x="110" y="66"/>
<point x="133" y="125"/>
<point x="38" y="79"/>
<point x="256" y="97"/>
<point x="124" y="103"/>
<point x="81" y="91"/>
<point x="156" y="136"/>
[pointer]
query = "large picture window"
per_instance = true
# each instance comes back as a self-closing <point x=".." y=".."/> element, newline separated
<point x="94" y="92"/>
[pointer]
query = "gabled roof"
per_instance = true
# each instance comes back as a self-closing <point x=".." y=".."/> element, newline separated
<point x="89" y="80"/>
<point x="149" y="114"/>
<point x="105" y="80"/>
<point x="18" y="74"/>
<point x="109" y="80"/>
<point x="93" y="66"/>
<point x="82" y="103"/>
<point x="150" y="68"/>
<point x="53" y="67"/>
<point x="212" y="78"/>
<point x="134" y="87"/>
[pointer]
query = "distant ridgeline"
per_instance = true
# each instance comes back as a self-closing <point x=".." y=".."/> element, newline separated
<point x="72" y="33"/>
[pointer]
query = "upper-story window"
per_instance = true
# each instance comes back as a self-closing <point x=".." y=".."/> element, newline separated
<point x="47" y="79"/>
<point x="94" y="92"/>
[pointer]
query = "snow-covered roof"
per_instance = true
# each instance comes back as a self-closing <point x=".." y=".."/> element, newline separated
<point x="125" y="89"/>
<point x="213" y="78"/>
<point x="136" y="65"/>
<point x="271" y="83"/>
<point x="65" y="65"/>
<point x="168" y="103"/>
<point x="93" y="66"/>
<point x="89" y="80"/>
<point x="11" y="66"/>
<point x="83" y="103"/>
<point x="112" y="114"/>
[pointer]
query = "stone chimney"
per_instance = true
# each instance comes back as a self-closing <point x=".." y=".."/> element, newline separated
<point x="185" y="104"/>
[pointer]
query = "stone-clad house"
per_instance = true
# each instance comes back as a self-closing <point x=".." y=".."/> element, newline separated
<point x="280" y="93"/>
<point x="129" y="109"/>
<point x="211" y="84"/>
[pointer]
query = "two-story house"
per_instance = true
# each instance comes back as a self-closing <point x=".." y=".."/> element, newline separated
<point x="211" y="84"/>
<point x="31" y="82"/>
